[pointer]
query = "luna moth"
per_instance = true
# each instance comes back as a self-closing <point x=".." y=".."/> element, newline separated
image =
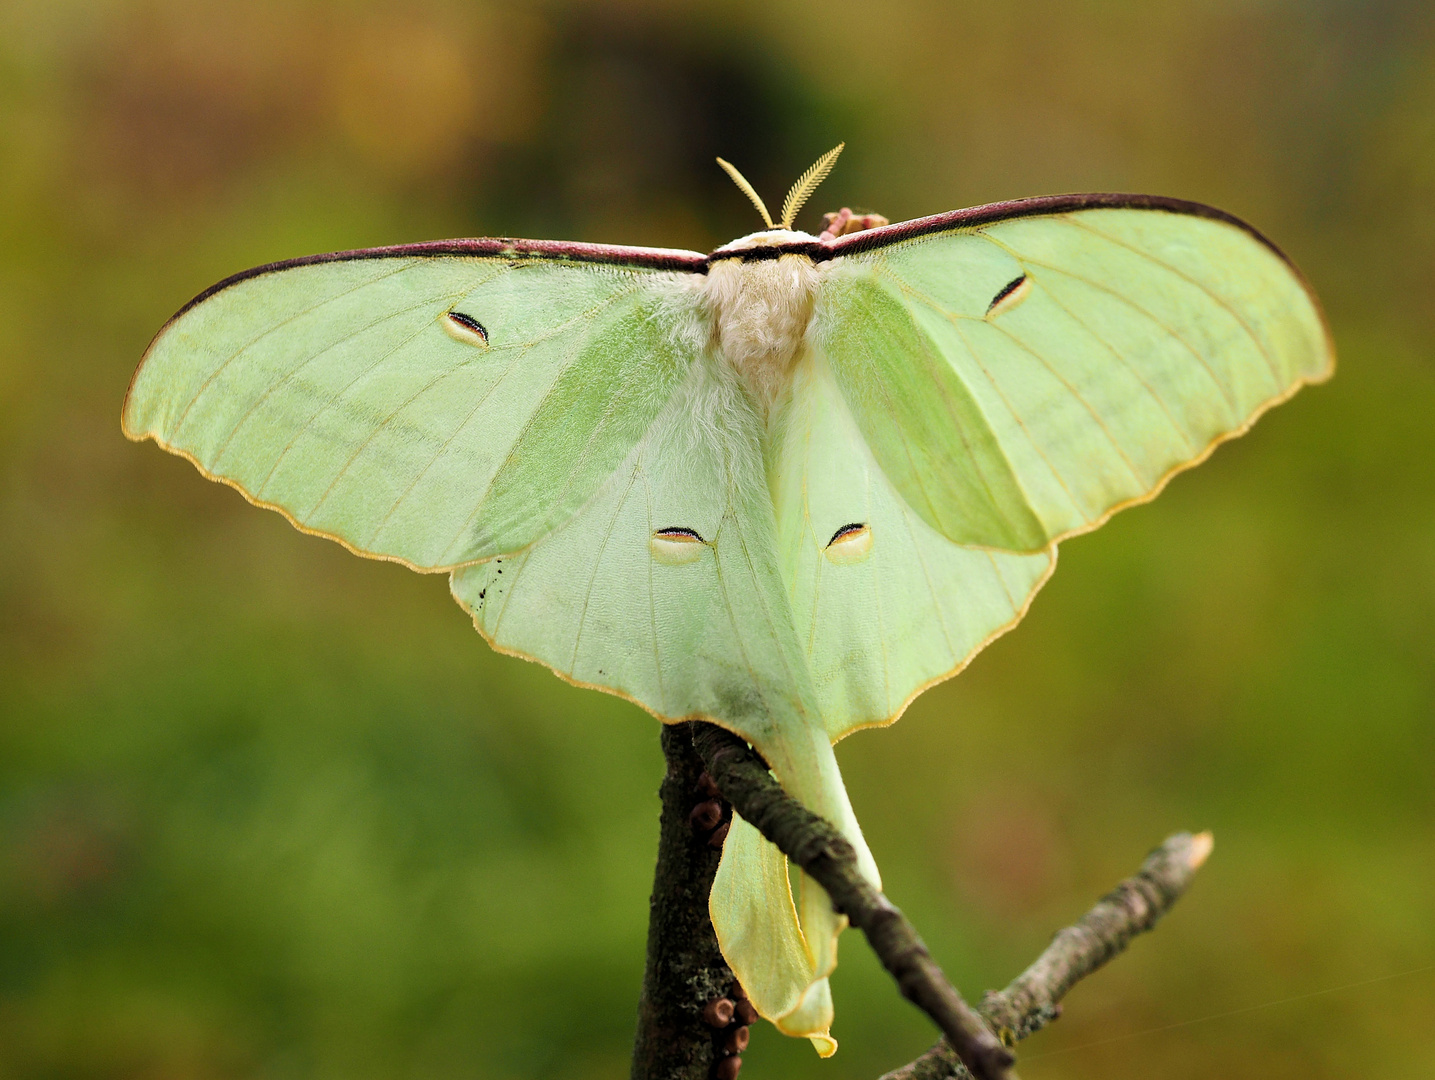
<point x="784" y="486"/>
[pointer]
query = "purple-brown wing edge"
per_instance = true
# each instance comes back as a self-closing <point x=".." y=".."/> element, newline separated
<point x="677" y="260"/>
<point x="673" y="259"/>
<point x="975" y="217"/>
<point x="501" y="247"/>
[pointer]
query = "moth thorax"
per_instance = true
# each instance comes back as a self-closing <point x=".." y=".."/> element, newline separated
<point x="760" y="311"/>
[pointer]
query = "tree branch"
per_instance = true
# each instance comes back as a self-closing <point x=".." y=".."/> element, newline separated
<point x="679" y="1036"/>
<point x="1032" y="999"/>
<point x="821" y="851"/>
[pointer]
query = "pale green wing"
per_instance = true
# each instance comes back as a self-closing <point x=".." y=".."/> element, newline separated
<point x="424" y="404"/>
<point x="689" y="626"/>
<point x="695" y="625"/>
<point x="1018" y="378"/>
<point x="884" y="604"/>
<point x="610" y="503"/>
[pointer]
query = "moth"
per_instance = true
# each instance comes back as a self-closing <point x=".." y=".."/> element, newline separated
<point x="784" y="486"/>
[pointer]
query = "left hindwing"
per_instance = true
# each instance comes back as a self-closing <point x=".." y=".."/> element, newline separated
<point x="664" y="588"/>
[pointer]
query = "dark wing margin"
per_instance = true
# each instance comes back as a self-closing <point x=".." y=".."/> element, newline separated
<point x="674" y="259"/>
<point x="638" y="258"/>
<point x="977" y="216"/>
<point x="615" y="255"/>
<point x="974" y="217"/>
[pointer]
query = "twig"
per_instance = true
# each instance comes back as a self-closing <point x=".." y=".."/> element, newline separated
<point x="677" y="1039"/>
<point x="820" y="850"/>
<point x="1032" y="999"/>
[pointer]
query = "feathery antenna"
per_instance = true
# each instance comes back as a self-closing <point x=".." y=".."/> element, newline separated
<point x="807" y="184"/>
<point x="799" y="194"/>
<point x="746" y="189"/>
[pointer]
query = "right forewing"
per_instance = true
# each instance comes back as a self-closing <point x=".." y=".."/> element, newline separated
<point x="1020" y="381"/>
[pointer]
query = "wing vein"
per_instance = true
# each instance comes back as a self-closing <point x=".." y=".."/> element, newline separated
<point x="956" y="320"/>
<point x="1122" y="359"/>
<point x="306" y="361"/>
<point x="1219" y="301"/>
<point x="277" y="326"/>
<point x="1090" y="409"/>
<point x="652" y="598"/>
<point x="588" y="315"/>
<point x="1152" y="317"/>
<point x="1020" y="422"/>
<point x="931" y="583"/>
<point x="974" y="458"/>
<point x="308" y="424"/>
<point x="523" y="349"/>
<point x="593" y="577"/>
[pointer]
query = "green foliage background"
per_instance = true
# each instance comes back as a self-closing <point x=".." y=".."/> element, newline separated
<point x="271" y="811"/>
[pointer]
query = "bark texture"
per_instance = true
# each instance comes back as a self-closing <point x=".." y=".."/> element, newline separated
<point x="693" y="1017"/>
<point x="815" y="845"/>
<point x="1032" y="1000"/>
<point x="685" y="975"/>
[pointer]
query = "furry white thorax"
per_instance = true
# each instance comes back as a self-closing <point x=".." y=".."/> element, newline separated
<point x="759" y="311"/>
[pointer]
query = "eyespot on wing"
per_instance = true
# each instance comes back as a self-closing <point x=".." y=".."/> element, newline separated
<point x="849" y="544"/>
<point x="1009" y="296"/>
<point x="676" y="545"/>
<point x="465" y="328"/>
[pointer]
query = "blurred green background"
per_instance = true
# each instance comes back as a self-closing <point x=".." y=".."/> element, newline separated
<point x="271" y="811"/>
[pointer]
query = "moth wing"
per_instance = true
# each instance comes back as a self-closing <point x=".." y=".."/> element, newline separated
<point x="884" y="604"/>
<point x="1021" y="379"/>
<point x="434" y="409"/>
<point x="698" y="626"/>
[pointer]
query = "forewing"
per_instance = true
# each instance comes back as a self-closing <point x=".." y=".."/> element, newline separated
<point x="1081" y="359"/>
<point x="344" y="394"/>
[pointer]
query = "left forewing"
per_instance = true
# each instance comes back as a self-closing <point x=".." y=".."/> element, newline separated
<point x="431" y="409"/>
